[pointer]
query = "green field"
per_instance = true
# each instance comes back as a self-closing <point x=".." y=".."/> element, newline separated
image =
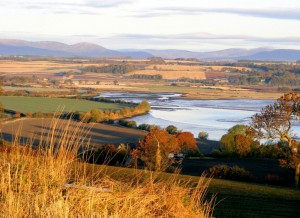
<point x="34" y="89"/>
<point x="233" y="199"/>
<point x="43" y="104"/>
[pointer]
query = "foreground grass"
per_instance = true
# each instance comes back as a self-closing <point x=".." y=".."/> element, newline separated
<point x="234" y="199"/>
<point x="50" y="182"/>
<point x="43" y="104"/>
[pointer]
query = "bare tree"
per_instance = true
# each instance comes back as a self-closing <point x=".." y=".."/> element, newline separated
<point x="275" y="121"/>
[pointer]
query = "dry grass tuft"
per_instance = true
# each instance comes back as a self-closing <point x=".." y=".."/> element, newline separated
<point x="50" y="181"/>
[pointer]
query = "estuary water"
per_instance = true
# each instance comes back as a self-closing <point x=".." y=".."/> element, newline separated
<point x="212" y="116"/>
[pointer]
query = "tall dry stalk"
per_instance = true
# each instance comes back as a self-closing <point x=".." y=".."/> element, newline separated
<point x="50" y="181"/>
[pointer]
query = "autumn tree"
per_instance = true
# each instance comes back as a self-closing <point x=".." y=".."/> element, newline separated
<point x="142" y="107"/>
<point x="1" y="108"/>
<point x="155" y="148"/>
<point x="275" y="122"/>
<point x="237" y="141"/>
<point x="96" y="116"/>
<point x="1" y="89"/>
<point x="186" y="142"/>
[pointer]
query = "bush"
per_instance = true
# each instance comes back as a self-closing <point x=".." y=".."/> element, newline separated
<point x="127" y="123"/>
<point x="217" y="153"/>
<point x="172" y="129"/>
<point x="108" y="154"/>
<point x="203" y="135"/>
<point x="147" y="127"/>
<point x="195" y="153"/>
<point x="144" y="126"/>
<point x="17" y="114"/>
<point x="273" y="180"/>
<point x="235" y="173"/>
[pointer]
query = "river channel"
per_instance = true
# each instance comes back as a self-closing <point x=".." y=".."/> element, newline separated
<point x="212" y="116"/>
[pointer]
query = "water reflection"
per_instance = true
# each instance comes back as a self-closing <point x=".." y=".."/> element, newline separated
<point x="212" y="116"/>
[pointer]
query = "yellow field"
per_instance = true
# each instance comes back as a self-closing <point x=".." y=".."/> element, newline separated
<point x="172" y="74"/>
<point x="176" y="67"/>
<point x="38" y="66"/>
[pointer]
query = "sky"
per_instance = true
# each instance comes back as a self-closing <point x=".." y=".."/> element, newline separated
<point x="196" y="25"/>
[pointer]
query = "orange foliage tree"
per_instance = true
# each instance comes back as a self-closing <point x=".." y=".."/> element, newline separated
<point x="186" y="142"/>
<point x="155" y="148"/>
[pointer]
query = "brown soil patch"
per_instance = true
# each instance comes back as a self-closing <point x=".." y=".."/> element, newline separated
<point x="97" y="133"/>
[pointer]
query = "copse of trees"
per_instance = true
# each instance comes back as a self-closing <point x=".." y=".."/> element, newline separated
<point x="97" y="116"/>
<point x="270" y="74"/>
<point x="112" y="68"/>
<point x="145" y="76"/>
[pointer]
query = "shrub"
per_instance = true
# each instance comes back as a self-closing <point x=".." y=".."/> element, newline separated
<point x="273" y="180"/>
<point x="195" y="153"/>
<point x="1" y="108"/>
<point x="172" y="129"/>
<point x="203" y="135"/>
<point x="17" y="114"/>
<point x="127" y="123"/>
<point x="107" y="154"/>
<point x="217" y="153"/>
<point x="235" y="173"/>
<point x="144" y="126"/>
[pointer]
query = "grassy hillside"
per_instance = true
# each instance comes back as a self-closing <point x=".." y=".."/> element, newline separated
<point x="234" y="199"/>
<point x="50" y="182"/>
<point x="42" y="104"/>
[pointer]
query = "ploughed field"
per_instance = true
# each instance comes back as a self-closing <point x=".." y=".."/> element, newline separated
<point x="30" y="129"/>
<point x="43" y="104"/>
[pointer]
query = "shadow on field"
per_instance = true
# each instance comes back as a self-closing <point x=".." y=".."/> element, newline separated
<point x="97" y="133"/>
<point x="259" y="168"/>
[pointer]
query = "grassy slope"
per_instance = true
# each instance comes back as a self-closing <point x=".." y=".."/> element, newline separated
<point x="41" y="104"/>
<point x="235" y="199"/>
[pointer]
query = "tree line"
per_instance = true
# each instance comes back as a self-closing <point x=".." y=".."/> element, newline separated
<point x="112" y="68"/>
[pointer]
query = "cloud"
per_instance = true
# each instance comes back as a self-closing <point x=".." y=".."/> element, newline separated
<point x="84" y="7"/>
<point x="106" y="3"/>
<point x="208" y="37"/>
<point x="273" y="13"/>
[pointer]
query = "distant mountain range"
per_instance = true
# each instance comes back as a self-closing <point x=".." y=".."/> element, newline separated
<point x="51" y="48"/>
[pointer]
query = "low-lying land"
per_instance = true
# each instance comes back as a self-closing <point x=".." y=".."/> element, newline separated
<point x="201" y="80"/>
